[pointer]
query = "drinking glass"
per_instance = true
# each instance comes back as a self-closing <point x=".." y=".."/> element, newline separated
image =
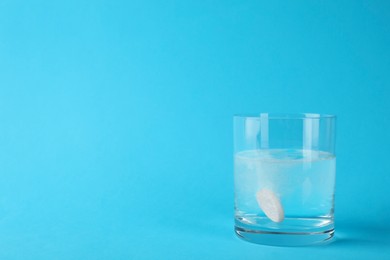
<point x="284" y="178"/>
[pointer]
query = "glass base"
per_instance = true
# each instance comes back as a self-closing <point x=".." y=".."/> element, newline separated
<point x="273" y="238"/>
<point x="290" y="232"/>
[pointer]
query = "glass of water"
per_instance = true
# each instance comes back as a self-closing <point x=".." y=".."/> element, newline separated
<point x="284" y="178"/>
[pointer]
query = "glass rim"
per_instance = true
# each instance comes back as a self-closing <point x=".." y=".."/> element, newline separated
<point x="286" y="115"/>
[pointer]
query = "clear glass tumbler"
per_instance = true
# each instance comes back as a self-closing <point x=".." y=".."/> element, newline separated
<point x="284" y="178"/>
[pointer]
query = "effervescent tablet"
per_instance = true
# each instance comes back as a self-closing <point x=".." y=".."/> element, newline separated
<point x="270" y="204"/>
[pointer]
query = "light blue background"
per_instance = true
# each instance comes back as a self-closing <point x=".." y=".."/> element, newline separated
<point x="116" y="122"/>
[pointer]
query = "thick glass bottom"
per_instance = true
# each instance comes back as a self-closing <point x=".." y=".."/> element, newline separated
<point x="293" y="232"/>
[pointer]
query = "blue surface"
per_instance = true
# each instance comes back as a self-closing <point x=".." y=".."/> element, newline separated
<point x="116" y="122"/>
